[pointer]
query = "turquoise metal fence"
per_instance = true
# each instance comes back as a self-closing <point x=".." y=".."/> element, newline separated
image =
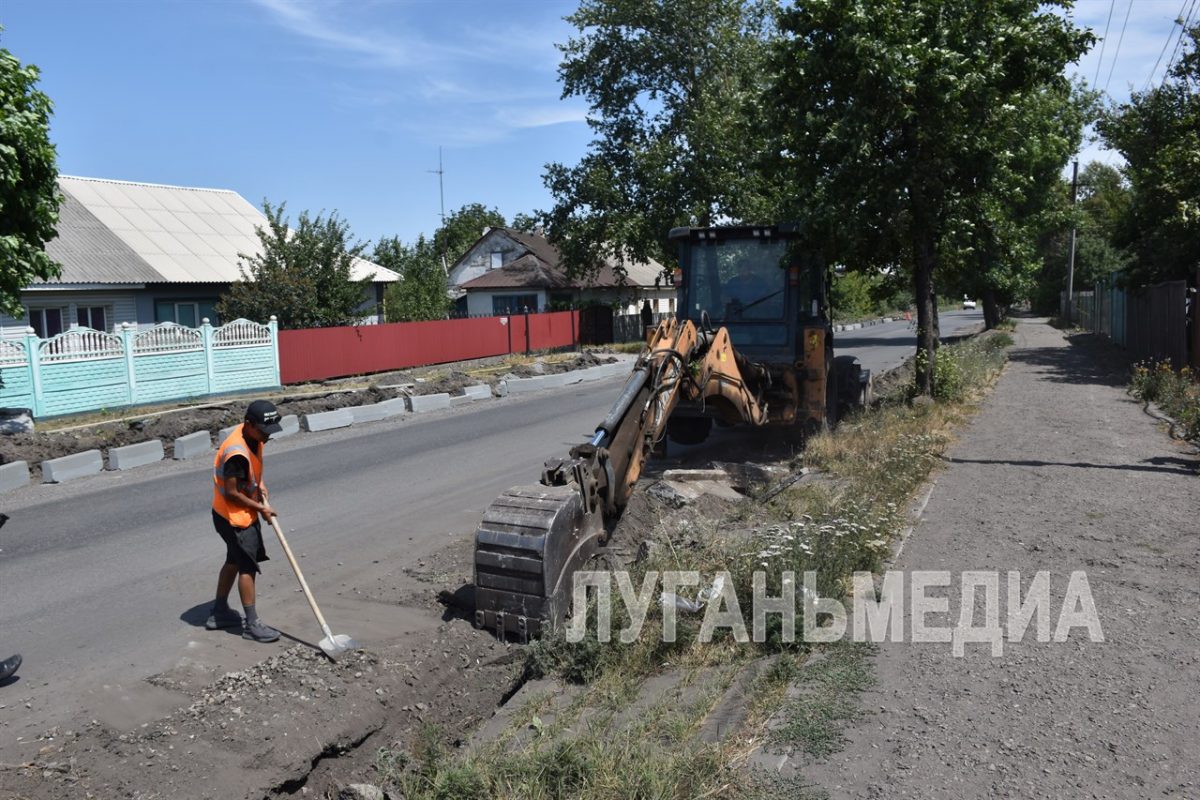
<point x="86" y="370"/>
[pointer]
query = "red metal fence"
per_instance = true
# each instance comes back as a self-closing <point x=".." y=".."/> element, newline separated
<point x="318" y="353"/>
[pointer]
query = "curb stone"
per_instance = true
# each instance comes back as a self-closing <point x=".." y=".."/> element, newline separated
<point x="79" y="465"/>
<point x="421" y="403"/>
<point x="192" y="445"/>
<point x="290" y="425"/>
<point x="135" y="455"/>
<point x="13" y="475"/>
<point x="201" y="443"/>
<point x="328" y="420"/>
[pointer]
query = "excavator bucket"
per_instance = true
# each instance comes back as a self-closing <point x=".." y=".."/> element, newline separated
<point x="531" y="541"/>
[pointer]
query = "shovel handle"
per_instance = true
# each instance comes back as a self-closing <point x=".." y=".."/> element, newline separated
<point x="312" y="602"/>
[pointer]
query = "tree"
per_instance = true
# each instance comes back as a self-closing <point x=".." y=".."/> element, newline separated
<point x="302" y="275"/>
<point x="1158" y="133"/>
<point x="1014" y="194"/>
<point x="674" y="89"/>
<point x="889" y="111"/>
<point x="1100" y="217"/>
<point x="421" y="291"/>
<point x="29" y="197"/>
<point x="462" y="228"/>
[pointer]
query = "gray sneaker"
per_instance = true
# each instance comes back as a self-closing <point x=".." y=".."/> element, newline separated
<point x="258" y="632"/>
<point x="223" y="618"/>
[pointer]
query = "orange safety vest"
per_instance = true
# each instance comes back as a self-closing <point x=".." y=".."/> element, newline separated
<point x="238" y="515"/>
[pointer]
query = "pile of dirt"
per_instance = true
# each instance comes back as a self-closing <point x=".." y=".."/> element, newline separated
<point x="294" y="723"/>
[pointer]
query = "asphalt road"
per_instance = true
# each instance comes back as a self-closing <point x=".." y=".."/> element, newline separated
<point x="884" y="347"/>
<point x="104" y="580"/>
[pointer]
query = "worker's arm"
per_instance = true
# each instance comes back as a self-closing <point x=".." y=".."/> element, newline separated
<point x="232" y="491"/>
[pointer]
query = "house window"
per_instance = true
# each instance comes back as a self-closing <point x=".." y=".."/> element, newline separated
<point x="185" y="312"/>
<point x="92" y="317"/>
<point x="514" y="303"/>
<point x="46" y="322"/>
<point x="497" y="260"/>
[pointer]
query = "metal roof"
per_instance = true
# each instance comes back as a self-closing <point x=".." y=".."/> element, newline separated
<point x="91" y="253"/>
<point x="180" y="234"/>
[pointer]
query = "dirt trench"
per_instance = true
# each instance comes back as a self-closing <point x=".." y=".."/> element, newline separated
<point x="60" y="438"/>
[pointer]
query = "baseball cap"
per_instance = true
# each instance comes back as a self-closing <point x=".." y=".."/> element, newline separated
<point x="264" y="415"/>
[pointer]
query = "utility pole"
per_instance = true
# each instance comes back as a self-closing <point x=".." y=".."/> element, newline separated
<point x="1071" y="256"/>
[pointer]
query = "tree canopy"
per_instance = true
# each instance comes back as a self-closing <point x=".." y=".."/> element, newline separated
<point x="29" y="197"/>
<point x="420" y="294"/>
<point x="302" y="276"/>
<point x="1158" y="133"/>
<point x="674" y="90"/>
<point x="896" y="118"/>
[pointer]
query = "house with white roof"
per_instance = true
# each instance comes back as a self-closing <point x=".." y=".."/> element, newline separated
<point x="145" y="253"/>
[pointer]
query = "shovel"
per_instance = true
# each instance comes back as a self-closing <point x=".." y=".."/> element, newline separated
<point x="333" y="645"/>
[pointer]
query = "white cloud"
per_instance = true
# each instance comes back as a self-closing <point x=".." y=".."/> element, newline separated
<point x="301" y="20"/>
<point x="517" y="118"/>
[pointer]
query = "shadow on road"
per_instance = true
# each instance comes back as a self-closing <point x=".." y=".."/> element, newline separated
<point x="1189" y="467"/>
<point x="1088" y="360"/>
<point x="198" y="614"/>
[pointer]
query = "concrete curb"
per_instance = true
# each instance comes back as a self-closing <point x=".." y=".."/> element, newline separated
<point x="14" y="475"/>
<point x="420" y="403"/>
<point x="201" y="443"/>
<point x="135" y="455"/>
<point x="328" y="420"/>
<point x="67" y="468"/>
<point x="478" y="392"/>
<point x="290" y="425"/>
<point x="378" y="411"/>
<point x="193" y="445"/>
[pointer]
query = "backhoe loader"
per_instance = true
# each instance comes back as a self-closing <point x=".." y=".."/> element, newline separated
<point x="751" y="344"/>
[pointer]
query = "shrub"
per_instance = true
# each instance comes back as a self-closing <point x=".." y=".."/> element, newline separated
<point x="1177" y="393"/>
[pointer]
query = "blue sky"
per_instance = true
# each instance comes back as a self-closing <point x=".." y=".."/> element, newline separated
<point x="342" y="104"/>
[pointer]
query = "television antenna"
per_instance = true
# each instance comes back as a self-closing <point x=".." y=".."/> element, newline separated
<point x="441" y="188"/>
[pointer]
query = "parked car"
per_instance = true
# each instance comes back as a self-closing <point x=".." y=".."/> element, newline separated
<point x="968" y="304"/>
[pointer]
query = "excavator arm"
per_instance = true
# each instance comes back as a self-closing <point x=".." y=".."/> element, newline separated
<point x="533" y="539"/>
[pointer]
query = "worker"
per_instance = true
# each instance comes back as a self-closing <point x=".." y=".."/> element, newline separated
<point x="647" y="320"/>
<point x="8" y="667"/>
<point x="239" y="500"/>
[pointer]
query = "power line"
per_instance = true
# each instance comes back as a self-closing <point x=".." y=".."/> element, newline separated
<point x="1104" y="41"/>
<point x="1117" y="53"/>
<point x="1166" y="44"/>
<point x="1186" y="22"/>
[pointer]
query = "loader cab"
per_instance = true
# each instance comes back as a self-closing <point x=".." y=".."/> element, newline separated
<point x="754" y="281"/>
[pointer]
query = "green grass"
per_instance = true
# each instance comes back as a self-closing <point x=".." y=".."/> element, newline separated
<point x="828" y="699"/>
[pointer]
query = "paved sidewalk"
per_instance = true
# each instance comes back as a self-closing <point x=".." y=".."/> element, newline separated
<point x="1060" y="471"/>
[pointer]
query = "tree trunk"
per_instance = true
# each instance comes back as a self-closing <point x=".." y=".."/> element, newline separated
<point x="991" y="310"/>
<point x="937" y="316"/>
<point x="926" y="311"/>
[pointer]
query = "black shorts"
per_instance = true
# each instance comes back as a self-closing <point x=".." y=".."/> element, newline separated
<point x="243" y="546"/>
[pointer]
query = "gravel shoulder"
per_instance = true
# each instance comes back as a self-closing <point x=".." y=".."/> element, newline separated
<point x="1060" y="471"/>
